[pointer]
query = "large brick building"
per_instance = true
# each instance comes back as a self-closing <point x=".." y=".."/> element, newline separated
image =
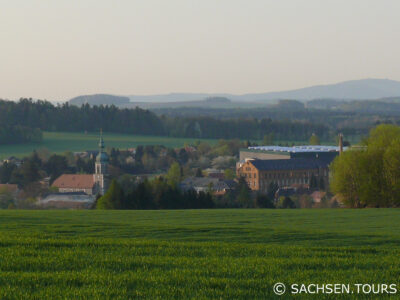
<point x="286" y="166"/>
<point x="259" y="174"/>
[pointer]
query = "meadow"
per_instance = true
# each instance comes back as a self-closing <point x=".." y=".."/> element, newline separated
<point x="194" y="254"/>
<point x="59" y="142"/>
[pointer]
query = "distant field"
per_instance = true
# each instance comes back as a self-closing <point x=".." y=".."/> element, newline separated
<point x="62" y="141"/>
<point x="195" y="254"/>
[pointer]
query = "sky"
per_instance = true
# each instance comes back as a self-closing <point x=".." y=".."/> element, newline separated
<point x="56" y="50"/>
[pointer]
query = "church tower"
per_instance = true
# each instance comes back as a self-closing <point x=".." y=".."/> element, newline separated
<point x="101" y="166"/>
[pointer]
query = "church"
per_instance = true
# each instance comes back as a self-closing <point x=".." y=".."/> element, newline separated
<point x="80" y="190"/>
<point x="90" y="184"/>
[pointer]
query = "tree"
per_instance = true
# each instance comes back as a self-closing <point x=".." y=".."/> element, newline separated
<point x="264" y="201"/>
<point x="183" y="156"/>
<point x="268" y="139"/>
<point x="286" y="202"/>
<point x="5" y="172"/>
<point x="313" y="182"/>
<point x="272" y="189"/>
<point x="112" y="199"/>
<point x="229" y="174"/>
<point x="244" y="195"/>
<point x="56" y="165"/>
<point x="6" y="198"/>
<point x="370" y="177"/>
<point x="174" y="174"/>
<point x="391" y="165"/>
<point x="139" y="153"/>
<point x="347" y="172"/>
<point x="26" y="174"/>
<point x="314" y="140"/>
<point x="36" y="159"/>
<point x="199" y="173"/>
<point x="321" y="183"/>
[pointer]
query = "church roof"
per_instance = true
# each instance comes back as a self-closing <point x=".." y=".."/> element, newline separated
<point x="102" y="157"/>
<point x="75" y="181"/>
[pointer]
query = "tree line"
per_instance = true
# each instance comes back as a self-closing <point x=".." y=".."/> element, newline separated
<point x="155" y="194"/>
<point x="64" y="117"/>
<point x="18" y="134"/>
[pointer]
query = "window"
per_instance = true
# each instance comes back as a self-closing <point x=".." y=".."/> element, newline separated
<point x="255" y="175"/>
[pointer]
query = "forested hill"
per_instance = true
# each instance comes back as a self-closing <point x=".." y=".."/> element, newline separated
<point x="99" y="99"/>
<point x="48" y="117"/>
<point x="65" y="117"/>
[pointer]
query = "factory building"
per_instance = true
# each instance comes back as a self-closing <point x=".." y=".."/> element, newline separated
<point x="295" y="166"/>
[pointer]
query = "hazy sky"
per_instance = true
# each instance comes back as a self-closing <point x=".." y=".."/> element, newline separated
<point x="59" y="49"/>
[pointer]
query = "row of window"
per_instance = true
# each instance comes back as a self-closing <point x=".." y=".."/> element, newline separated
<point x="286" y="175"/>
<point x="280" y="175"/>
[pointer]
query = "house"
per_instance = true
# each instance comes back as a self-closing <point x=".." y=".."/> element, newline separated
<point x="317" y="196"/>
<point x="205" y="184"/>
<point x="214" y="173"/>
<point x="69" y="183"/>
<point x="13" y="160"/>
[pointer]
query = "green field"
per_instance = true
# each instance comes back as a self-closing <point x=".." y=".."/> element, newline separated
<point x="194" y="254"/>
<point x="60" y="142"/>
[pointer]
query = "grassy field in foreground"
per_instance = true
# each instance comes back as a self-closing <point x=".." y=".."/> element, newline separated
<point x="195" y="254"/>
<point x="60" y="142"/>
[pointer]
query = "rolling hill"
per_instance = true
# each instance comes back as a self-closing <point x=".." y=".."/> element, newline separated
<point x="364" y="89"/>
<point x="99" y="99"/>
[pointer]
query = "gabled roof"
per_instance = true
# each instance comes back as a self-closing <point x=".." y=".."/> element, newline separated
<point x="288" y="164"/>
<point x="199" y="181"/>
<point x="204" y="182"/>
<point x="74" y="181"/>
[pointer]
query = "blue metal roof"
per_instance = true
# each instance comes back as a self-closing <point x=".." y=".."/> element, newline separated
<point x="297" y="149"/>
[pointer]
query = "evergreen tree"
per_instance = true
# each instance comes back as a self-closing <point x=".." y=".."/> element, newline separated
<point x="5" y="172"/>
<point x="199" y="173"/>
<point x="244" y="195"/>
<point x="313" y="182"/>
<point x="56" y="165"/>
<point x="264" y="201"/>
<point x="272" y="189"/>
<point x="321" y="183"/>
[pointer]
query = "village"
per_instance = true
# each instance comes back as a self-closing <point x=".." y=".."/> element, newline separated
<point x="252" y="176"/>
